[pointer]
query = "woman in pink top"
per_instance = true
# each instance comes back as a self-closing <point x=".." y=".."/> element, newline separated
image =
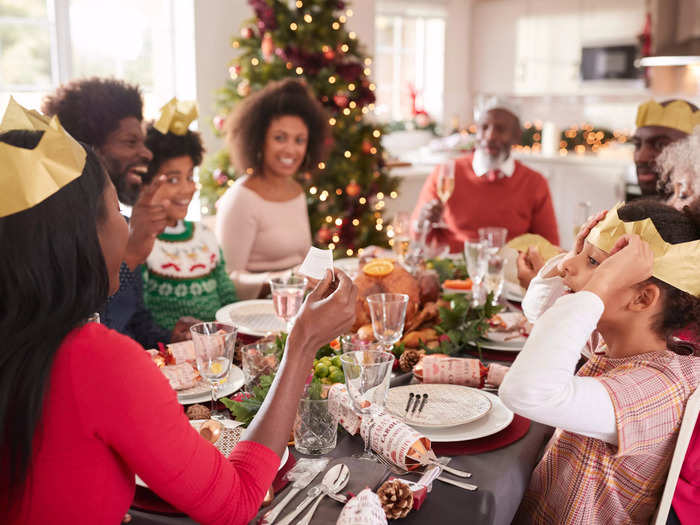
<point x="82" y="408"/>
<point x="262" y="221"/>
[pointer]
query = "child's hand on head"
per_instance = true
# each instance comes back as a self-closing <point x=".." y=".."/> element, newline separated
<point x="592" y="221"/>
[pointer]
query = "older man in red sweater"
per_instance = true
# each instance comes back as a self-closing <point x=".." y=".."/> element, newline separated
<point x="491" y="188"/>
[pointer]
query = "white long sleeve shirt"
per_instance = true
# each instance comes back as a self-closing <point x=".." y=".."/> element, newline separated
<point x="541" y="384"/>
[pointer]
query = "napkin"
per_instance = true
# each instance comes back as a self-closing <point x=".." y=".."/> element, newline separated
<point x="363" y="509"/>
<point x="316" y="263"/>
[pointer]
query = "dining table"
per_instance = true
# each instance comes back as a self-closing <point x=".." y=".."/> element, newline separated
<point x="502" y="475"/>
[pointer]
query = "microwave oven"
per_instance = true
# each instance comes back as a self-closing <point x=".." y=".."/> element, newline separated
<point x="614" y="62"/>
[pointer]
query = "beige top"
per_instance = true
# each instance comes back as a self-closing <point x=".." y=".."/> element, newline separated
<point x="259" y="237"/>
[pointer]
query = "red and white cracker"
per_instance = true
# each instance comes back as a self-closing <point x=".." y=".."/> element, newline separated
<point x="452" y="371"/>
<point x="340" y="406"/>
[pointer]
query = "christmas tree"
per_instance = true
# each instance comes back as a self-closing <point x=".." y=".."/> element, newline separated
<point x="307" y="39"/>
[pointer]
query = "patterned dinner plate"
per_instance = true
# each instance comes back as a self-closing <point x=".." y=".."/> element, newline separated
<point x="256" y="317"/>
<point x="201" y="391"/>
<point x="446" y="406"/>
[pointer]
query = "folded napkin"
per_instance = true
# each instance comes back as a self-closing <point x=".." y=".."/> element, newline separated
<point x="393" y="439"/>
<point x="363" y="509"/>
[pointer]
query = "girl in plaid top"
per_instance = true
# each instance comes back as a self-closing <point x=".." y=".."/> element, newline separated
<point x="617" y="419"/>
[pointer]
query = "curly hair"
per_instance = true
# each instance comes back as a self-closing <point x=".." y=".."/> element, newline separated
<point x="681" y="310"/>
<point x="170" y="146"/>
<point x="91" y="108"/>
<point x="247" y="126"/>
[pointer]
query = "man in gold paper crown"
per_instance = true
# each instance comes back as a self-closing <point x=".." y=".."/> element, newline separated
<point x="658" y="125"/>
<point x="107" y="114"/>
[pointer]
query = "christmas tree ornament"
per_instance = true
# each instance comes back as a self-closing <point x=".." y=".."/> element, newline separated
<point x="219" y="122"/>
<point x="409" y="358"/>
<point x="324" y="235"/>
<point x="340" y="100"/>
<point x="243" y="88"/>
<point x="396" y="498"/>
<point x="366" y="146"/>
<point x="267" y="46"/>
<point x="353" y="189"/>
<point x="247" y="32"/>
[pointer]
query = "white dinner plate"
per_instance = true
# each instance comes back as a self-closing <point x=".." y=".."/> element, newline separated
<point x="200" y="393"/>
<point x="498" y="418"/>
<point x="283" y="461"/>
<point x="256" y="317"/>
<point x="446" y="406"/>
<point x="501" y="347"/>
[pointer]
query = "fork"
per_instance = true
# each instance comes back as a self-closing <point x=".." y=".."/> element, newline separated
<point x="402" y="472"/>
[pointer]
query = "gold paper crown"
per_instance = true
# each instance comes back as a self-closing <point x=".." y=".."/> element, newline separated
<point x="677" y="115"/>
<point x="674" y="264"/>
<point x="176" y="116"/>
<point x="29" y="176"/>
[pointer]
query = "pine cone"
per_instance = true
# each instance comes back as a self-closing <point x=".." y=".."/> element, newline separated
<point x="396" y="498"/>
<point x="409" y="359"/>
<point x="198" y="412"/>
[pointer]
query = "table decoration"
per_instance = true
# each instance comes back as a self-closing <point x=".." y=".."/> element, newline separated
<point x="438" y="368"/>
<point x="363" y="509"/>
<point x="340" y="404"/>
<point x="396" y="498"/>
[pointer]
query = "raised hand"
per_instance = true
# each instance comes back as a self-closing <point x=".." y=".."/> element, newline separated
<point x="580" y="240"/>
<point x="148" y="220"/>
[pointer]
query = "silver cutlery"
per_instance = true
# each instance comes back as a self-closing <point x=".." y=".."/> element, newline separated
<point x="402" y="472"/>
<point x="415" y="403"/>
<point x="315" y="492"/>
<point x="332" y="484"/>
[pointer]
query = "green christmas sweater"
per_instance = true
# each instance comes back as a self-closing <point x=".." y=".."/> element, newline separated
<point x="185" y="274"/>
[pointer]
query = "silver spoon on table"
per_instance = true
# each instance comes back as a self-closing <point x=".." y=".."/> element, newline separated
<point x="331" y="485"/>
<point x="319" y="490"/>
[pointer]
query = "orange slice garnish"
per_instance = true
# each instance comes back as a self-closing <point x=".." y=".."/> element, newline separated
<point x="378" y="268"/>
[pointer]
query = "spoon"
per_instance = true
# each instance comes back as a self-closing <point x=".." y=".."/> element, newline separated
<point x="316" y="491"/>
<point x="331" y="486"/>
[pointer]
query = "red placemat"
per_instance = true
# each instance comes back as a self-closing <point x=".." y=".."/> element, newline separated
<point x="512" y="433"/>
<point x="493" y="355"/>
<point x="147" y="500"/>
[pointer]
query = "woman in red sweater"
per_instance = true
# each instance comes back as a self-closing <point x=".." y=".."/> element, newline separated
<point x="82" y="408"/>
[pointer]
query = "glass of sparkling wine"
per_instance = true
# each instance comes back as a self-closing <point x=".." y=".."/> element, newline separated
<point x="287" y="296"/>
<point x="445" y="185"/>
<point x="476" y="255"/>
<point x="388" y="311"/>
<point x="494" y="278"/>
<point x="402" y="234"/>
<point x="213" y="349"/>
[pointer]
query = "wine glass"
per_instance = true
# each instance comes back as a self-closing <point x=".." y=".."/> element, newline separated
<point x="213" y="350"/>
<point x="367" y="376"/>
<point x="388" y="311"/>
<point x="475" y="253"/>
<point x="445" y="186"/>
<point x="494" y="237"/>
<point x="287" y="296"/>
<point x="352" y="343"/>
<point x="495" y="276"/>
<point x="402" y="234"/>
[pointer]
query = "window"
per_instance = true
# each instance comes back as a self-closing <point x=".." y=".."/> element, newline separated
<point x="409" y="55"/>
<point x="46" y="42"/>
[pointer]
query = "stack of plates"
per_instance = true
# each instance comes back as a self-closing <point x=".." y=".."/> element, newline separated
<point x="505" y="341"/>
<point x="201" y="392"/>
<point x="256" y="317"/>
<point x="452" y="412"/>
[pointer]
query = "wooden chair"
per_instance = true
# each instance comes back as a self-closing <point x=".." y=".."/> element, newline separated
<point x="692" y="409"/>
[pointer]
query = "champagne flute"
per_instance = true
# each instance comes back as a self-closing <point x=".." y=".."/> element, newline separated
<point x="495" y="276"/>
<point x="388" y="311"/>
<point x="213" y="349"/>
<point x="494" y="237"/>
<point x="402" y="234"/>
<point x="367" y="377"/>
<point x="287" y="296"/>
<point x="445" y="186"/>
<point x="475" y="253"/>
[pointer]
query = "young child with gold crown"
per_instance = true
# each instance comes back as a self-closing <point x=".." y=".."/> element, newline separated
<point x="185" y="272"/>
<point x="631" y="279"/>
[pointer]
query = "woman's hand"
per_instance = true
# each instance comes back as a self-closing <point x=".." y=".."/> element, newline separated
<point x="329" y="311"/>
<point x="530" y="262"/>
<point x="631" y="261"/>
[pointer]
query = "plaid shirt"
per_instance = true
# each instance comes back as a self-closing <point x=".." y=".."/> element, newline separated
<point x="585" y="480"/>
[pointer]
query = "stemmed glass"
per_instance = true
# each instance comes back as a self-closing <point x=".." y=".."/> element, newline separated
<point x="445" y="186"/>
<point x="402" y="234"/>
<point x="388" y="311"/>
<point x="495" y="276"/>
<point x="213" y="350"/>
<point x="494" y="237"/>
<point x="476" y="255"/>
<point x="367" y="376"/>
<point x="287" y="296"/>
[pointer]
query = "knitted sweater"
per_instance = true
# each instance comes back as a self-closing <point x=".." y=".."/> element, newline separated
<point x="185" y="274"/>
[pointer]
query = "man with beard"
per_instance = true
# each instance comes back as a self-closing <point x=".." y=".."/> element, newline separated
<point x="491" y="188"/>
<point x="659" y="125"/>
<point x="107" y="114"/>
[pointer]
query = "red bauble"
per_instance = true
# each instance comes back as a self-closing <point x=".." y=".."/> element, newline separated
<point x="353" y="189"/>
<point x="247" y="32"/>
<point x="324" y="235"/>
<point x="219" y="122"/>
<point x="366" y="146"/>
<point x="329" y="54"/>
<point x="340" y="100"/>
